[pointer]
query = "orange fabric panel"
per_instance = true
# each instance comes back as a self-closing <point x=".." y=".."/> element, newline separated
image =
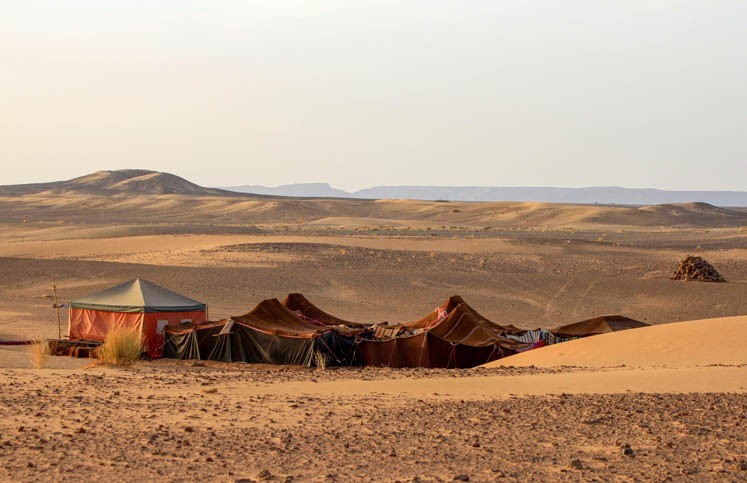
<point x="96" y="324"/>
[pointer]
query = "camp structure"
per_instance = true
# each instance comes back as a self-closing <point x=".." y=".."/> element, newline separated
<point x="270" y="333"/>
<point x="453" y="336"/>
<point x="598" y="325"/>
<point x="300" y="305"/>
<point x="136" y="304"/>
<point x="448" y="307"/>
<point x="191" y="341"/>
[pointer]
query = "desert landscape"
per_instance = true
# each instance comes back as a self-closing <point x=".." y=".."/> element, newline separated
<point x="666" y="402"/>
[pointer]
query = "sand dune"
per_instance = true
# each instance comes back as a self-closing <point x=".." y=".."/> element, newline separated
<point x="148" y="196"/>
<point x="52" y="206"/>
<point x="694" y="343"/>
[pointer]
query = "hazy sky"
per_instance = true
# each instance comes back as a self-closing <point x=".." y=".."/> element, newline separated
<point x="638" y="93"/>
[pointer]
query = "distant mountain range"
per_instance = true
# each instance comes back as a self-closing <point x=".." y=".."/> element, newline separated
<point x="146" y="182"/>
<point x="601" y="195"/>
<point x="300" y="190"/>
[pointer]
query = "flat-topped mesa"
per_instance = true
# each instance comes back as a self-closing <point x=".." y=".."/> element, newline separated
<point x="693" y="268"/>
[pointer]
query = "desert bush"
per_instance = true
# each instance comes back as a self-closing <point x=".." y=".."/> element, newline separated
<point x="39" y="354"/>
<point x="121" y="347"/>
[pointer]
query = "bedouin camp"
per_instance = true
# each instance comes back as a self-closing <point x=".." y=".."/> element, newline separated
<point x="297" y="332"/>
<point x="136" y="304"/>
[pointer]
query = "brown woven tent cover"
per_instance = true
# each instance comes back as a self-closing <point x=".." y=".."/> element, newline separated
<point x="598" y="325"/>
<point x="298" y="303"/>
<point x="269" y="333"/>
<point x="463" y="338"/>
<point x="272" y="317"/>
<point x="449" y="306"/>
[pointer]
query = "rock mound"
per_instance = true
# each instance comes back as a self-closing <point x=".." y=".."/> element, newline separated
<point x="696" y="268"/>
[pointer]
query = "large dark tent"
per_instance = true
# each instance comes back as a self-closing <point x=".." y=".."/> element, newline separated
<point x="596" y="326"/>
<point x="454" y="336"/>
<point x="136" y="304"/>
<point x="269" y="333"/>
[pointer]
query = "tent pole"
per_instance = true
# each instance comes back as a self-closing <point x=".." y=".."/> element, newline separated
<point x="57" y="308"/>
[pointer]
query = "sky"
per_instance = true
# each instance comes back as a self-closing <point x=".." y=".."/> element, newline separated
<point x="356" y="93"/>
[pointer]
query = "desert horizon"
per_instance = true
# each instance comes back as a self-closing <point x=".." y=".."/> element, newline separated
<point x="528" y="265"/>
<point x="373" y="241"/>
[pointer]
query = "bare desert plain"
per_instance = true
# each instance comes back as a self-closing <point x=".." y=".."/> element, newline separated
<point x="667" y="402"/>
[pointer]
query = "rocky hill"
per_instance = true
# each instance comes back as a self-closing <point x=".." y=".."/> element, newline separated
<point x="127" y="181"/>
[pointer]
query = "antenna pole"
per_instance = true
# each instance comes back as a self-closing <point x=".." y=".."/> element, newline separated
<point x="57" y="308"/>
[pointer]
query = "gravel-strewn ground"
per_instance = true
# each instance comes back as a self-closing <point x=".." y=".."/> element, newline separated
<point x="173" y="423"/>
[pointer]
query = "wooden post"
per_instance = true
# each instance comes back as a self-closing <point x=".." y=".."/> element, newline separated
<point x="57" y="308"/>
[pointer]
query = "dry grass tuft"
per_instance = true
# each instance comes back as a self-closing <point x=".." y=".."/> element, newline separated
<point x="121" y="347"/>
<point x="320" y="361"/>
<point x="39" y="354"/>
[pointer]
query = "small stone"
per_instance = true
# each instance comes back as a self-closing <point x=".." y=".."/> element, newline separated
<point x="264" y="475"/>
<point x="460" y="478"/>
<point x="627" y="450"/>
<point x="189" y="429"/>
<point x="576" y="465"/>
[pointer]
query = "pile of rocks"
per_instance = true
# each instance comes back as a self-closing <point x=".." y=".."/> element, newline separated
<point x="695" y="268"/>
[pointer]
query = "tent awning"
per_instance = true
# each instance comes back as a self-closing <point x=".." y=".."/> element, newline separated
<point x="137" y="295"/>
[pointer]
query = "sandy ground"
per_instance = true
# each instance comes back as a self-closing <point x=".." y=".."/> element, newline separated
<point x="676" y="394"/>
<point x="195" y="421"/>
<point x="696" y="343"/>
<point x="526" y="278"/>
